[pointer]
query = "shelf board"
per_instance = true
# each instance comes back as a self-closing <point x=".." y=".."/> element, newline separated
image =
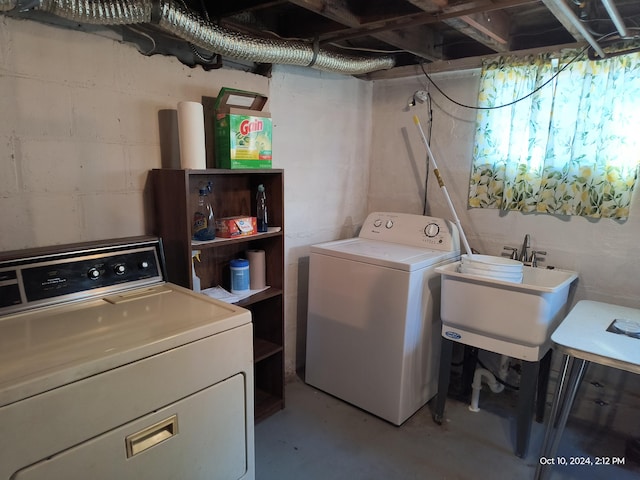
<point x="266" y="405"/>
<point x="233" y="171"/>
<point x="260" y="296"/>
<point x="263" y="349"/>
<point x="198" y="245"/>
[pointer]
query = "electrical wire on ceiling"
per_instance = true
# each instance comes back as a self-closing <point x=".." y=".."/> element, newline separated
<point x="587" y="10"/>
<point x="590" y="14"/>
<point x="475" y="107"/>
<point x="537" y="33"/>
<point x="362" y="49"/>
<point x="537" y="89"/>
<point x="337" y="45"/>
<point x="418" y="95"/>
<point x="425" y="97"/>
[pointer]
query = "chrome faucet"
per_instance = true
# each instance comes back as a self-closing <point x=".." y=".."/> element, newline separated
<point x="525" y="247"/>
<point x="524" y="257"/>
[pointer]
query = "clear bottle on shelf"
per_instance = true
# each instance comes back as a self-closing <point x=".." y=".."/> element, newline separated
<point x="261" y="210"/>
<point x="204" y="225"/>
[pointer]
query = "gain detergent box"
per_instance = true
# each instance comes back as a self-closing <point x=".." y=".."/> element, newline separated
<point x="242" y="130"/>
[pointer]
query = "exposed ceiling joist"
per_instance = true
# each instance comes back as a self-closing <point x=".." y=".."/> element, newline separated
<point x="494" y="25"/>
<point x="375" y="34"/>
<point x="559" y="10"/>
<point x="490" y="28"/>
<point x="419" y="43"/>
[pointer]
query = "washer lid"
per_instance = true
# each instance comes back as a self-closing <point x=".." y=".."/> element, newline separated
<point x="384" y="254"/>
<point x="52" y="346"/>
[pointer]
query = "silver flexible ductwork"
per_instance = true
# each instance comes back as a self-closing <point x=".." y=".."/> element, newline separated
<point x="176" y="20"/>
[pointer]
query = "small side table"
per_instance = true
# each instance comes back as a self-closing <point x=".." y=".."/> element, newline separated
<point x="588" y="334"/>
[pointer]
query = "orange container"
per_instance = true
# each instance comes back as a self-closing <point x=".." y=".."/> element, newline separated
<point x="229" y="227"/>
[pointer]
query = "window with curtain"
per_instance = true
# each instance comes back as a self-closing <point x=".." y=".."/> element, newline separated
<point x="570" y="148"/>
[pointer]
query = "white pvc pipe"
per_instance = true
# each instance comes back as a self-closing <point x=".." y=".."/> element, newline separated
<point x="615" y="17"/>
<point x="575" y="21"/>
<point x="467" y="248"/>
<point x="504" y="368"/>
<point x="494" y="385"/>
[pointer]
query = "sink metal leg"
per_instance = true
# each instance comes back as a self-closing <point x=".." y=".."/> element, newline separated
<point x="526" y="400"/>
<point x="446" y="352"/>
<point x="543" y="385"/>
<point x="572" y="373"/>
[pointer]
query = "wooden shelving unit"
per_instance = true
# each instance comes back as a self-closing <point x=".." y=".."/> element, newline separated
<point x="176" y="193"/>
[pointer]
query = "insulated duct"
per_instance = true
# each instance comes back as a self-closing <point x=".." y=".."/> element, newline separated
<point x="176" y="20"/>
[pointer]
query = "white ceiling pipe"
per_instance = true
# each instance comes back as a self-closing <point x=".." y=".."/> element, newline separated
<point x="612" y="10"/>
<point x="575" y="21"/>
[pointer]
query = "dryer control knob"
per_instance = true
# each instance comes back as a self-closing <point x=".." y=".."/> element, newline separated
<point x="432" y="230"/>
<point x="93" y="273"/>
<point x="389" y="224"/>
<point x="120" y="269"/>
<point x="377" y="223"/>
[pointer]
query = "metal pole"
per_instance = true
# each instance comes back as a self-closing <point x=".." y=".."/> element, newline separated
<point x="416" y="120"/>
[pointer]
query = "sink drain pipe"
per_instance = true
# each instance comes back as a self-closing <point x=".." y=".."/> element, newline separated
<point x="503" y="371"/>
<point x="479" y="375"/>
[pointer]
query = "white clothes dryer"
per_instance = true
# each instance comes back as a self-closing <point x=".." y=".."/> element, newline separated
<point x="373" y="324"/>
<point x="108" y="372"/>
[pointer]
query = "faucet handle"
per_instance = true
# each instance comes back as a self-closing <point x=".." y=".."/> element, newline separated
<point x="514" y="252"/>
<point x="534" y="257"/>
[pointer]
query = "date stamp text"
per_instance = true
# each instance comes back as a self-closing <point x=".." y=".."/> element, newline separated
<point x="582" y="460"/>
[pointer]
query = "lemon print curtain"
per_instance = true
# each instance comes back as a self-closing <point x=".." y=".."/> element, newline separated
<point x="570" y="148"/>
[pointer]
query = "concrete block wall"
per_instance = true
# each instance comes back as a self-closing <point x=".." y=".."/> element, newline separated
<point x="84" y="118"/>
<point x="322" y="138"/>
<point x="80" y="130"/>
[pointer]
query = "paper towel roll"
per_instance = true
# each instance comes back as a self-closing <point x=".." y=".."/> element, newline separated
<point x="191" y="135"/>
<point x="257" y="274"/>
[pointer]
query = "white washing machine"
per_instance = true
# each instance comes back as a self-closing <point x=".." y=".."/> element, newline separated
<point x="373" y="325"/>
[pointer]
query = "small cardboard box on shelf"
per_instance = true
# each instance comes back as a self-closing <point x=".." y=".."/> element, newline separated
<point x="231" y="227"/>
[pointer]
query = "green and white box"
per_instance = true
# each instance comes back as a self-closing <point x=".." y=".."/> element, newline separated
<point x="243" y="132"/>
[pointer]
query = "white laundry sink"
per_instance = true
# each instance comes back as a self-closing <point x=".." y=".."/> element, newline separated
<point x="524" y="313"/>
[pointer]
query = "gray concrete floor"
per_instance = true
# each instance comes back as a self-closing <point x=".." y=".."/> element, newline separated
<point x="318" y="437"/>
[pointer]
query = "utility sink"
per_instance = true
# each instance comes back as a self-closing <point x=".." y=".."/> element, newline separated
<point x="515" y="319"/>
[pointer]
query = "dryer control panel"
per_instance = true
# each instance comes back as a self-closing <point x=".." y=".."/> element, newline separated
<point x="47" y="276"/>
<point x="409" y="229"/>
